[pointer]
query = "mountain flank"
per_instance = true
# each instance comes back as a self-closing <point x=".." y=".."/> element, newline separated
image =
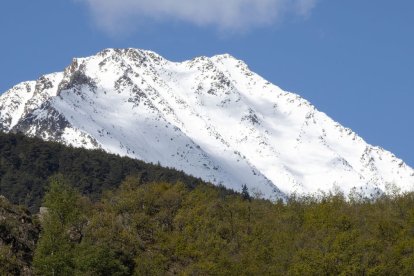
<point x="210" y="117"/>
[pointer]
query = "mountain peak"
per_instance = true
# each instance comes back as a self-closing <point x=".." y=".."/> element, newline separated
<point x="211" y="117"/>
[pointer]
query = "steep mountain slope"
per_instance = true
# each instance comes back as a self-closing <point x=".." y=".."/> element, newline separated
<point x="210" y="117"/>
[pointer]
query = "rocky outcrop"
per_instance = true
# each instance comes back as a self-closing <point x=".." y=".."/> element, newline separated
<point x="18" y="237"/>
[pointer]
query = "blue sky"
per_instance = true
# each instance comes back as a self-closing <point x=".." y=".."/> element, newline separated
<point x="354" y="60"/>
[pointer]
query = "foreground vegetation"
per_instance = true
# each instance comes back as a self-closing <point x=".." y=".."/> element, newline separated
<point x="164" y="229"/>
<point x="108" y="215"/>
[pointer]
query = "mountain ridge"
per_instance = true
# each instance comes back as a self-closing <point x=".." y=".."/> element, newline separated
<point x="210" y="117"/>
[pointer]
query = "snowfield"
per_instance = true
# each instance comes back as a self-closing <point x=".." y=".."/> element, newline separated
<point x="209" y="117"/>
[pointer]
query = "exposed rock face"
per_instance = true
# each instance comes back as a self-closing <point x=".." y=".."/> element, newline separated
<point x="210" y="117"/>
<point x="18" y="237"/>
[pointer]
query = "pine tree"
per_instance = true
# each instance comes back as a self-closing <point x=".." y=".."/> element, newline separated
<point x="245" y="193"/>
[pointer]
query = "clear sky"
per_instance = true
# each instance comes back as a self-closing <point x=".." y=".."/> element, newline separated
<point x="353" y="59"/>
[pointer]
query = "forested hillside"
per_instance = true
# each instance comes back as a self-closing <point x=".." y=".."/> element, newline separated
<point x="27" y="163"/>
<point x="170" y="229"/>
<point x="108" y="215"/>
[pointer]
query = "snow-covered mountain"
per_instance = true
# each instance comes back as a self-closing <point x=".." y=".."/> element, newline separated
<point x="210" y="117"/>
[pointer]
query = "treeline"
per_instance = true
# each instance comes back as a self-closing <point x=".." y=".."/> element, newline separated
<point x="167" y="229"/>
<point x="27" y="163"/>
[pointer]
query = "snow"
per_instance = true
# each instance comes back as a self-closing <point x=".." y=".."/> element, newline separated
<point x="210" y="117"/>
<point x="13" y="102"/>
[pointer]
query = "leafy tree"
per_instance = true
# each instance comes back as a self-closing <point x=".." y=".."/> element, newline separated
<point x="62" y="226"/>
<point x="97" y="260"/>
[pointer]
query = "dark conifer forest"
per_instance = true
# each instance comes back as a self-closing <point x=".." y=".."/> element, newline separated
<point x="27" y="163"/>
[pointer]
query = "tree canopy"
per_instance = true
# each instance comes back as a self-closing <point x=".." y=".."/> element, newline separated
<point x="167" y="228"/>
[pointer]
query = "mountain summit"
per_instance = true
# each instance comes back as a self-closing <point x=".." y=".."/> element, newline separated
<point x="210" y="117"/>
